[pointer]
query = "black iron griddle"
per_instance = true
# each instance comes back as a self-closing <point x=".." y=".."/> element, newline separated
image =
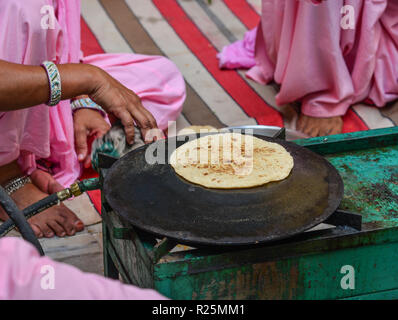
<point x="154" y="198"/>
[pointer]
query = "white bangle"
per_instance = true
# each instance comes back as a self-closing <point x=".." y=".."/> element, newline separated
<point x="54" y="80"/>
<point x="86" y="103"/>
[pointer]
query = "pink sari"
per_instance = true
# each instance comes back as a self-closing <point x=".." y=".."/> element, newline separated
<point x="303" y="47"/>
<point x="47" y="133"/>
<point x="24" y="275"/>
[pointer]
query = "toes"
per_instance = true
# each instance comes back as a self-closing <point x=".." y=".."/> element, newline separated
<point x="40" y="227"/>
<point x="69" y="221"/>
<point x="67" y="225"/>
<point x="57" y="228"/>
<point x="79" y="225"/>
<point x="300" y="125"/>
<point x="47" y="232"/>
<point x="37" y="230"/>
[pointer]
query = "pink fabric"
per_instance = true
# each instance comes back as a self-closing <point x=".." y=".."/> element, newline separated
<point x="43" y="132"/>
<point x="303" y="47"/>
<point x="240" y="54"/>
<point x="155" y="79"/>
<point x="24" y="275"/>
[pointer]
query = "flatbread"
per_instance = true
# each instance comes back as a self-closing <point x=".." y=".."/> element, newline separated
<point x="231" y="161"/>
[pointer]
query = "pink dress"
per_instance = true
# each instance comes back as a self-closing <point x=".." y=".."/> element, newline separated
<point x="47" y="133"/>
<point x="303" y="47"/>
<point x="24" y="275"/>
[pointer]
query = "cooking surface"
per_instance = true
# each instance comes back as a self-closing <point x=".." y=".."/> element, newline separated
<point x="155" y="199"/>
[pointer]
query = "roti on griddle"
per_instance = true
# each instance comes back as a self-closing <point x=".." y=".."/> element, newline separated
<point x="231" y="161"/>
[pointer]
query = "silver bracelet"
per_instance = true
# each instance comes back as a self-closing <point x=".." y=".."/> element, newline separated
<point x="54" y="80"/>
<point x="86" y="103"/>
<point x="16" y="184"/>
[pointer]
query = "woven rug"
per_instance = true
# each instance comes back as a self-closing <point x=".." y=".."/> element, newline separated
<point x="191" y="33"/>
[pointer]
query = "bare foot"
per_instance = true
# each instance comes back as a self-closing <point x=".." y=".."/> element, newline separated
<point x="58" y="220"/>
<point x="317" y="127"/>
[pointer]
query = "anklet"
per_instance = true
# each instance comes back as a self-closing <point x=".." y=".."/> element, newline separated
<point x="16" y="184"/>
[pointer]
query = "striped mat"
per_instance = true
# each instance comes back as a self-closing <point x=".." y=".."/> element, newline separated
<point x="191" y="33"/>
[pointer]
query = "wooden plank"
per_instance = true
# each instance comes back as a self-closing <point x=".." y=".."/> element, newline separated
<point x="368" y="164"/>
<point x="316" y="276"/>
<point x="382" y="295"/>
<point x="162" y="248"/>
<point x="360" y="140"/>
<point x="370" y="184"/>
<point x="110" y="269"/>
<point x="131" y="252"/>
<point x="126" y="277"/>
<point x="201" y="260"/>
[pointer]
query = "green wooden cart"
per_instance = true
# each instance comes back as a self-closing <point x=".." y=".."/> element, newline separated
<point x="331" y="263"/>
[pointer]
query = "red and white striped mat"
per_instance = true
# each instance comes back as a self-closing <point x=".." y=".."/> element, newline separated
<point x="191" y="33"/>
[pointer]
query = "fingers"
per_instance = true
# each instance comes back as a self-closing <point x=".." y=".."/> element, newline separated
<point x="136" y="113"/>
<point x="81" y="142"/>
<point x="150" y="132"/>
<point x="100" y="130"/>
<point x="128" y="123"/>
<point x="145" y="120"/>
<point x="125" y="105"/>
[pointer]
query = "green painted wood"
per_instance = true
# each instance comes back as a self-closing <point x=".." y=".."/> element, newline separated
<point x="130" y="252"/>
<point x="303" y="277"/>
<point x="119" y="266"/>
<point x="370" y="184"/>
<point x="368" y="163"/>
<point x="110" y="269"/>
<point x="382" y="295"/>
<point x="302" y="270"/>
<point x="353" y="141"/>
<point x="162" y="248"/>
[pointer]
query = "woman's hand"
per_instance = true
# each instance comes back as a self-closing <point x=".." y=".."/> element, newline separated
<point x="87" y="122"/>
<point x="25" y="86"/>
<point x="125" y="105"/>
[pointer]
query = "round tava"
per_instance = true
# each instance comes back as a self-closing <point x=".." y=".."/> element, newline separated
<point x="152" y="197"/>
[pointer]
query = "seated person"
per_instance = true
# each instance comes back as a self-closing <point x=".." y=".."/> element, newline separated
<point x="24" y="275"/>
<point x="324" y="54"/>
<point x="41" y="147"/>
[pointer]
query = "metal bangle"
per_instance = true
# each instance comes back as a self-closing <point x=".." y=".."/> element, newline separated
<point x="16" y="184"/>
<point x="54" y="79"/>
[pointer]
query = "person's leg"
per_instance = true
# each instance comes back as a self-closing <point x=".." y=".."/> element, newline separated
<point x="299" y="44"/>
<point x="315" y="127"/>
<point x="25" y="134"/>
<point x="385" y="85"/>
<point x="21" y="278"/>
<point x="57" y="220"/>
